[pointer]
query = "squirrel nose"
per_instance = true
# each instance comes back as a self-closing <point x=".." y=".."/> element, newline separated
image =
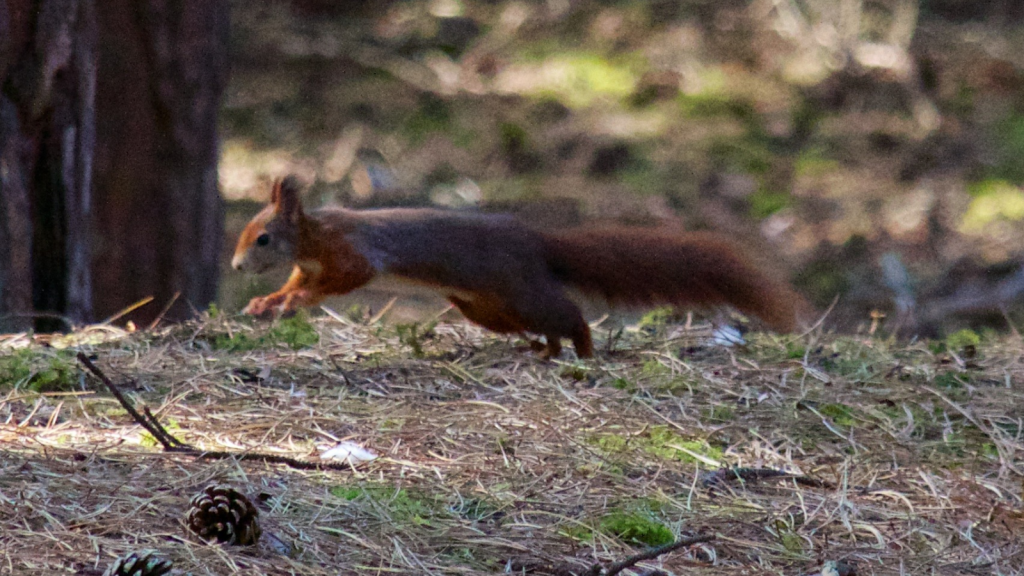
<point x="236" y="262"/>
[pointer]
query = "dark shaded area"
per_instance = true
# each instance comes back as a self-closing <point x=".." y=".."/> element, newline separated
<point x="108" y="154"/>
<point x="158" y="211"/>
<point x="47" y="74"/>
<point x="1004" y="11"/>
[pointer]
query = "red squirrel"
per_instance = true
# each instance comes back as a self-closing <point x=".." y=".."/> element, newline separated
<point x="498" y="272"/>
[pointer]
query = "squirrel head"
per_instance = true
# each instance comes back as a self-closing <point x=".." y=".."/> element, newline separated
<point x="272" y="236"/>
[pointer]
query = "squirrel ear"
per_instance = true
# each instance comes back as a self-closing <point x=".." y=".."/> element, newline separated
<point x="285" y="197"/>
<point x="275" y="192"/>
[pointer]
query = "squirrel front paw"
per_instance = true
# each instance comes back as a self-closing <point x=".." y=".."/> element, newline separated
<point x="261" y="305"/>
<point x="277" y="304"/>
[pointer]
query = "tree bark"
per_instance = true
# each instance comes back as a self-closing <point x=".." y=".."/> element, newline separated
<point x="47" y="135"/>
<point x="163" y="66"/>
<point x="137" y="83"/>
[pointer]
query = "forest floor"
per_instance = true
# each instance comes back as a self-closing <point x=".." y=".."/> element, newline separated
<point x="896" y="458"/>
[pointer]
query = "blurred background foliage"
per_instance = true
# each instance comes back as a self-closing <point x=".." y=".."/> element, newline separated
<point x="871" y="149"/>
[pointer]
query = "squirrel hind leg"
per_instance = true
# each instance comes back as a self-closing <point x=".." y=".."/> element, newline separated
<point x="582" y="341"/>
<point x="489" y="313"/>
<point x="548" y="311"/>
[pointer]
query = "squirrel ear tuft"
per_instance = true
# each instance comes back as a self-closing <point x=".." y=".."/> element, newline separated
<point x="285" y="197"/>
<point x="275" y="192"/>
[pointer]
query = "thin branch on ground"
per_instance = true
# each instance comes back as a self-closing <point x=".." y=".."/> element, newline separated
<point x="162" y="436"/>
<point x="264" y="457"/>
<point x="171" y="444"/>
<point x="724" y="475"/>
<point x="616" y="567"/>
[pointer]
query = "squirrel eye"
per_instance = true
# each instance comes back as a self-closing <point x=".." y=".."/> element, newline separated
<point x="263" y="239"/>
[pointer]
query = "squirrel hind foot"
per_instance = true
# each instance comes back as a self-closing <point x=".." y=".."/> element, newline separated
<point x="581" y="343"/>
<point x="553" y="348"/>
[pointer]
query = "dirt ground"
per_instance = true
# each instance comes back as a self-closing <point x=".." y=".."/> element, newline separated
<point x="894" y="458"/>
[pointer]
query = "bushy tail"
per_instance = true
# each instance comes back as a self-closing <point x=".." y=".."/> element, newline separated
<point x="650" y="267"/>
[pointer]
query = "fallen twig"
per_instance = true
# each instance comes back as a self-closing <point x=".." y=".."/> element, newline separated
<point x="265" y="457"/>
<point x="171" y="444"/>
<point x="616" y="567"/>
<point x="724" y="475"/>
<point x="162" y="436"/>
<point x="157" y="426"/>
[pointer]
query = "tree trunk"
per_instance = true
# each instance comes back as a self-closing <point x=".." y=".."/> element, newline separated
<point x="153" y="228"/>
<point x="163" y="66"/>
<point x="47" y="135"/>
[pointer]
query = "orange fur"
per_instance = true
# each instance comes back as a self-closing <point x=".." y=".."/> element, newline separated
<point x="323" y="263"/>
<point x="500" y="274"/>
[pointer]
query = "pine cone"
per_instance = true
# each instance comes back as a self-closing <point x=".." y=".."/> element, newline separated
<point x="223" y="514"/>
<point x="141" y="563"/>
